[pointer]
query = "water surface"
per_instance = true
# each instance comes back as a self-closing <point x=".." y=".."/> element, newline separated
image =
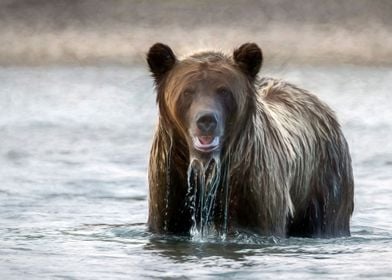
<point x="74" y="146"/>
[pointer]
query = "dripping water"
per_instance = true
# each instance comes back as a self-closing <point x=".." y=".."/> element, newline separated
<point x="168" y="184"/>
<point x="208" y="198"/>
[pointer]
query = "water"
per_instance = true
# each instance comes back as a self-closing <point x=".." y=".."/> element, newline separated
<point x="204" y="194"/>
<point x="74" y="147"/>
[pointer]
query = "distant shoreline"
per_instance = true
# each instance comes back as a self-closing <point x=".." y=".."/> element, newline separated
<point x="45" y="32"/>
<point x="89" y="48"/>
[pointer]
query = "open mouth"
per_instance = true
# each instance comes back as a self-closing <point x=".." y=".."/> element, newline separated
<point x="206" y="144"/>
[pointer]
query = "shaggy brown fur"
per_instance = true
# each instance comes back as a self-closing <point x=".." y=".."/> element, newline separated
<point x="284" y="156"/>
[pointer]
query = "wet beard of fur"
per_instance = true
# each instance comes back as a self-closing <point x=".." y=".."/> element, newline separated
<point x="207" y="197"/>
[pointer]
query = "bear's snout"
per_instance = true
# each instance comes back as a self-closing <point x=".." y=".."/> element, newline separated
<point x="207" y="123"/>
<point x="206" y="130"/>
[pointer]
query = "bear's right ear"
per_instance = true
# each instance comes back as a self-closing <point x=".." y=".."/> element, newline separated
<point x="160" y="59"/>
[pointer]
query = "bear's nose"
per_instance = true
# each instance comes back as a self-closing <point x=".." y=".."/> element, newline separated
<point x="207" y="122"/>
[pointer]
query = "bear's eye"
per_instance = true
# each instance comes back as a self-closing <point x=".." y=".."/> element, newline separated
<point x="224" y="92"/>
<point x="227" y="98"/>
<point x="188" y="93"/>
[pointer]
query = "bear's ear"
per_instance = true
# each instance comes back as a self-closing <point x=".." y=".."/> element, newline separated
<point x="249" y="58"/>
<point x="160" y="59"/>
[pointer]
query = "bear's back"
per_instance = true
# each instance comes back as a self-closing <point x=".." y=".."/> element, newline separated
<point x="305" y="127"/>
<point x="296" y="110"/>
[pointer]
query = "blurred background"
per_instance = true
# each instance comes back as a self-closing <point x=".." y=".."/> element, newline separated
<point x="120" y="31"/>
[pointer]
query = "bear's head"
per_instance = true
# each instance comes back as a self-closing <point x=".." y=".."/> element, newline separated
<point x="204" y="97"/>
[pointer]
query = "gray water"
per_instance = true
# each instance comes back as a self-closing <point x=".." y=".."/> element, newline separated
<point x="74" y="146"/>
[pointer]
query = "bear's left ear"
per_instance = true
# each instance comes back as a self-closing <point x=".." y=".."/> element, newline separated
<point x="160" y="59"/>
<point x="249" y="58"/>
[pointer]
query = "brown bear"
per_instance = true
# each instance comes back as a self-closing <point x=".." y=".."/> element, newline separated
<point x="236" y="153"/>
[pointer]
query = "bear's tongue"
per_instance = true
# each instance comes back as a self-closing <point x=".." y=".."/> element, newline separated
<point x="206" y="144"/>
<point x="205" y="140"/>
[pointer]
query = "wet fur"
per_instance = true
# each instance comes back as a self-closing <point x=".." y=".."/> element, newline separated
<point x="285" y="160"/>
